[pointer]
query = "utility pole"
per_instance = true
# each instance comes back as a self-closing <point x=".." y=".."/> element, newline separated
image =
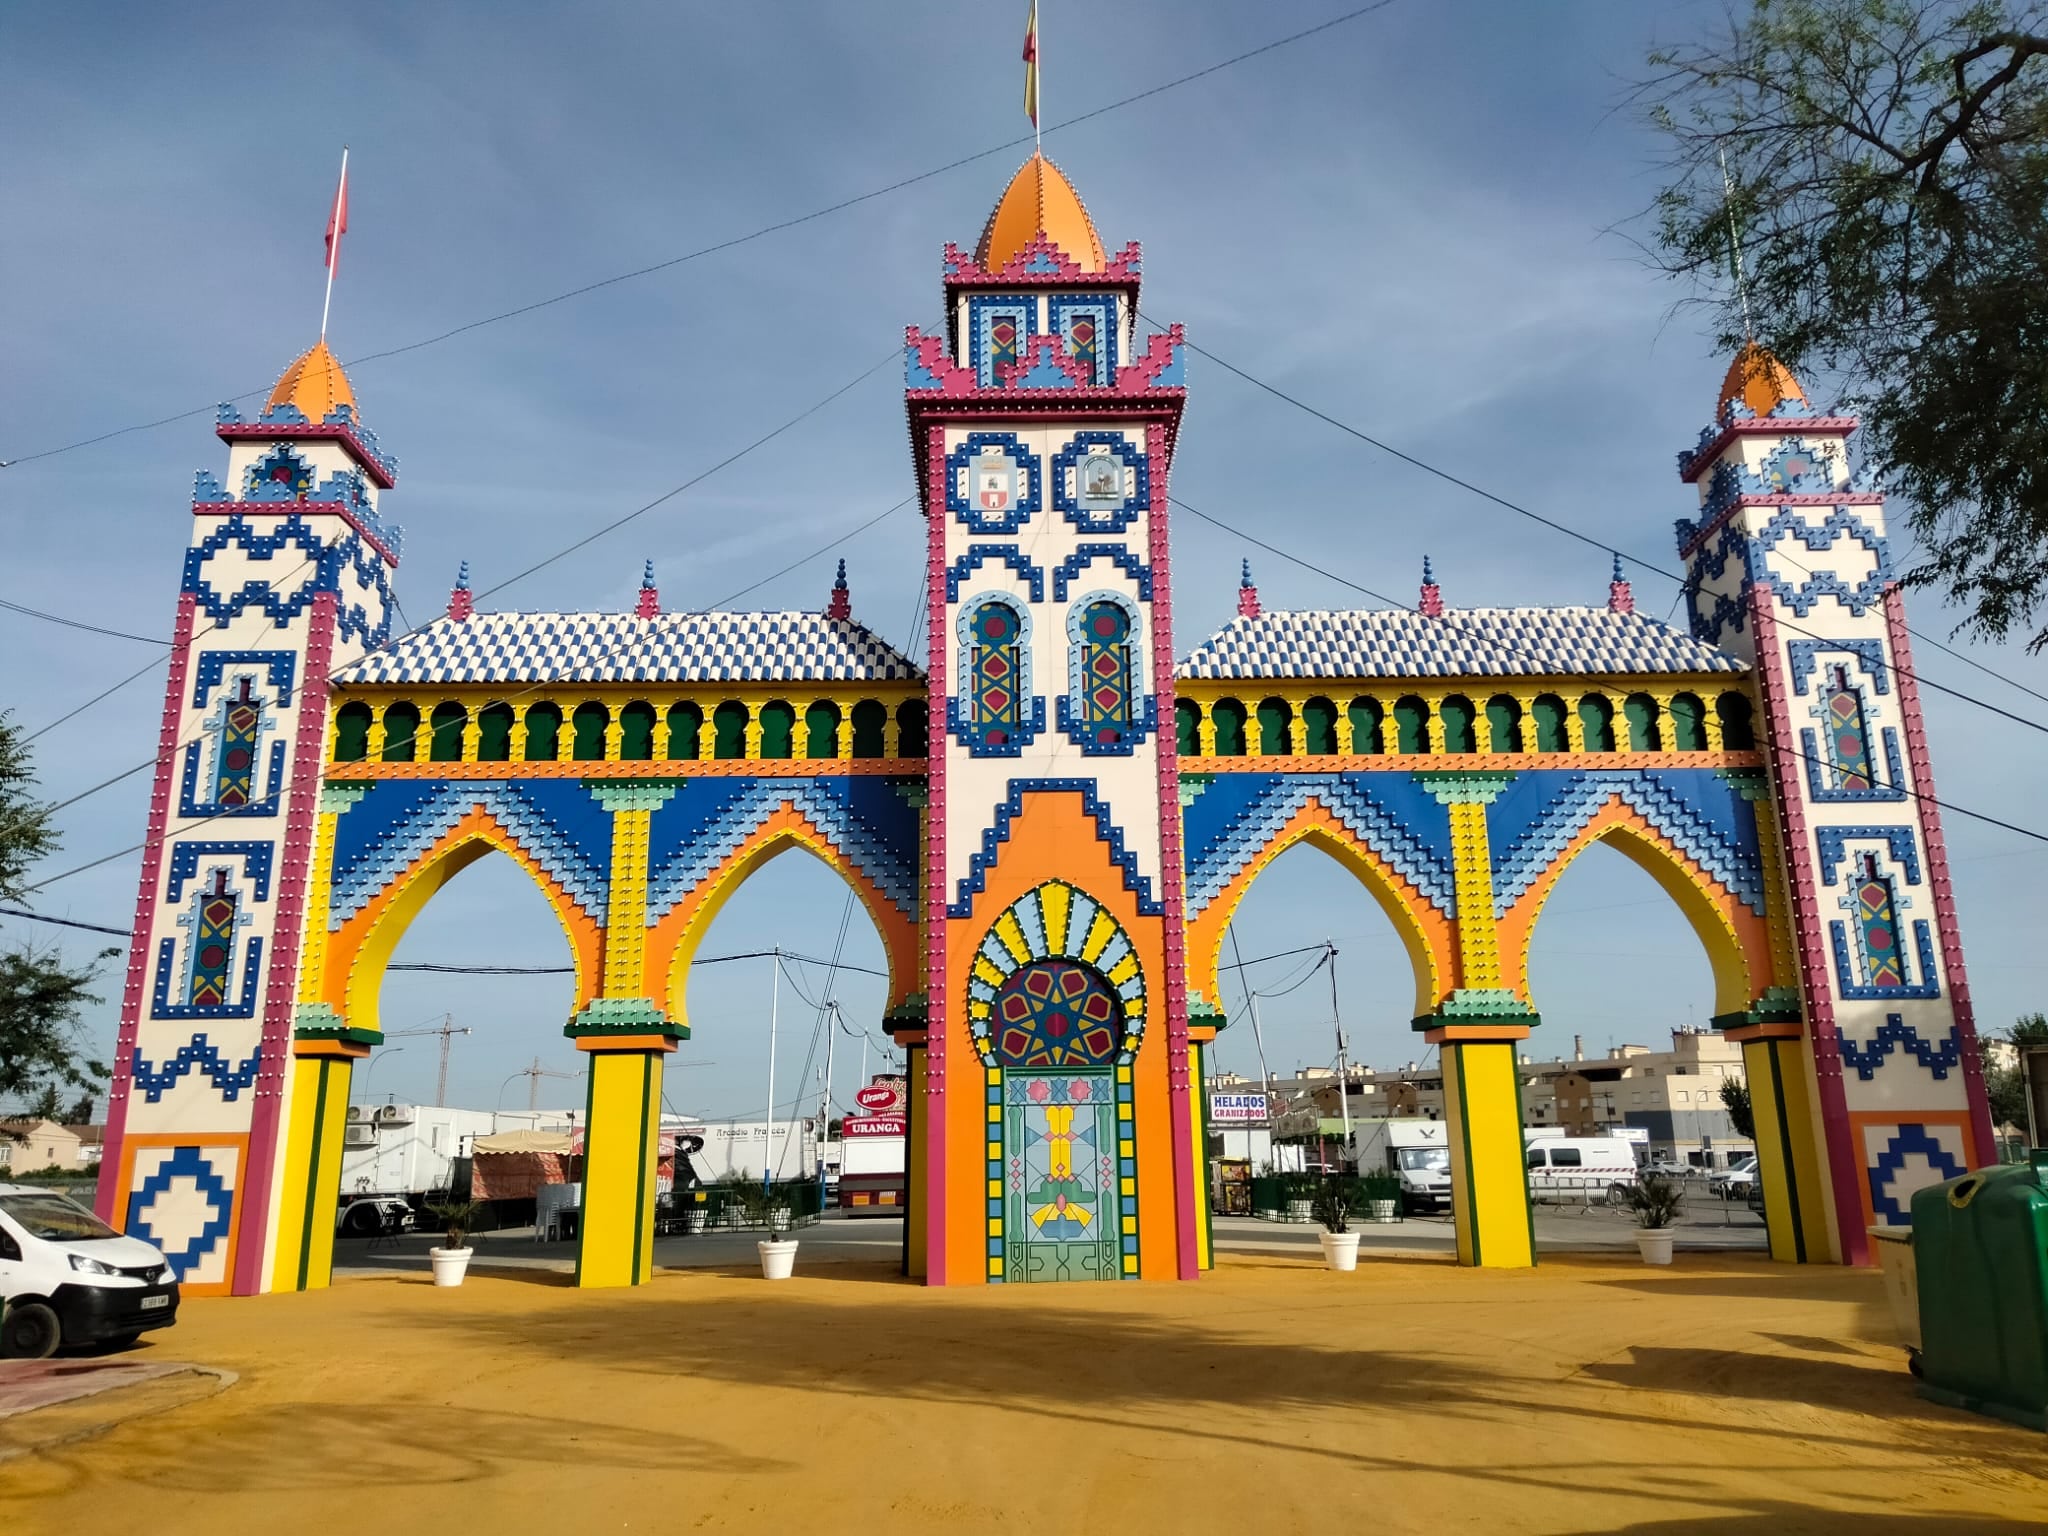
<point x="1343" y="1062"/>
<point x="774" y="1014"/>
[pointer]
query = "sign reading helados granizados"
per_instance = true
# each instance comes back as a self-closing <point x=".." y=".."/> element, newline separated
<point x="1237" y="1109"/>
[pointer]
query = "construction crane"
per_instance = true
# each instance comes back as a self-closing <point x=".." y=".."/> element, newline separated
<point x="446" y="1030"/>
<point x="533" y="1075"/>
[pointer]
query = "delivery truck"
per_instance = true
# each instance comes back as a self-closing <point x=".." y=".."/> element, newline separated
<point x="1416" y="1151"/>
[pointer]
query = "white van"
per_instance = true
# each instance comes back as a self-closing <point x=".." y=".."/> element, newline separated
<point x="67" y="1278"/>
<point x="1416" y="1151"/>
<point x="1568" y="1166"/>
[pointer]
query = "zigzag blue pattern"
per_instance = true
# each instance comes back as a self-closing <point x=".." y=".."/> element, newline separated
<point x="1832" y="843"/>
<point x="348" y="553"/>
<point x="1817" y="537"/>
<point x="278" y="668"/>
<point x="1911" y="1137"/>
<point x="380" y="847"/>
<point x="977" y="555"/>
<point x="1253" y="828"/>
<point x="198" y="1054"/>
<point x="976" y="879"/>
<point x="1803" y="655"/>
<point x="677" y="870"/>
<point x="1571" y="805"/>
<point x="1063" y="575"/>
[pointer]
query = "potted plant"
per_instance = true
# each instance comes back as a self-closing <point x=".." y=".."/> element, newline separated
<point x="458" y="1219"/>
<point x="1340" y="1243"/>
<point x="1656" y="1201"/>
<point x="778" y="1254"/>
<point x="1381" y="1193"/>
<point x="1301" y="1198"/>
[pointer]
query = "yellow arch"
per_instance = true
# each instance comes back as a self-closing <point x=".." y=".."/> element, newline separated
<point x="1735" y="939"/>
<point x="360" y="950"/>
<point x="1425" y="933"/>
<point x="672" y="942"/>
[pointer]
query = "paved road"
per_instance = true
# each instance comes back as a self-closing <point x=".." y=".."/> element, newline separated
<point x="1708" y="1226"/>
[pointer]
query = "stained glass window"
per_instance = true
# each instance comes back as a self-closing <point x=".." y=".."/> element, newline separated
<point x="1848" y="734"/>
<point x="996" y="674"/>
<point x="279" y="474"/>
<point x="234" y="764"/>
<point x="1103" y="705"/>
<point x="213" y="944"/>
<point x="1057" y="1014"/>
<point x="1877" y="928"/>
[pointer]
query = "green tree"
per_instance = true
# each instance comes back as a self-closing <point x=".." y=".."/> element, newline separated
<point x="41" y="998"/>
<point x="1735" y="1099"/>
<point x="2004" y="1083"/>
<point x="1885" y="166"/>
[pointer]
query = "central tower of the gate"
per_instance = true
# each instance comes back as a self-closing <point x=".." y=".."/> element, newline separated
<point x="1055" y="1131"/>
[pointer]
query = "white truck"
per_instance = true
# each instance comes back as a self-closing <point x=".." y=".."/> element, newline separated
<point x="1416" y="1151"/>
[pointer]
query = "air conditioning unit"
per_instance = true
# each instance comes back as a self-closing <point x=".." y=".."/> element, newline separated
<point x="359" y="1114"/>
<point x="359" y="1135"/>
<point x="394" y="1114"/>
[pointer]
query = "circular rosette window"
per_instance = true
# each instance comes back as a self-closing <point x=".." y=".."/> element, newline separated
<point x="1055" y="1013"/>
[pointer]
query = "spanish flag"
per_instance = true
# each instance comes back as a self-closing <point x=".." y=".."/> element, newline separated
<point x="1031" y="66"/>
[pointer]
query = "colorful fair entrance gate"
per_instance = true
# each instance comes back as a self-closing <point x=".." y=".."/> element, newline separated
<point x="1047" y="818"/>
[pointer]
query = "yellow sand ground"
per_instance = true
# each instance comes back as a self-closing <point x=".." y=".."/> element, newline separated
<point x="1721" y="1396"/>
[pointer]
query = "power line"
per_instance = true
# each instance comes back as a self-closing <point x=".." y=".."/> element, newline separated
<point x="94" y="629"/>
<point x="1450" y="621"/>
<point x="1588" y="539"/>
<point x="757" y="234"/>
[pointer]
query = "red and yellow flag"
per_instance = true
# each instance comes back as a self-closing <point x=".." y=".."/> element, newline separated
<point x="337" y="220"/>
<point x="1031" y="66"/>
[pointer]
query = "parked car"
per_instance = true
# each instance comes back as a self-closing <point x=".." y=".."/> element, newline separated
<point x="374" y="1216"/>
<point x="1735" y="1181"/>
<point x="67" y="1278"/>
<point x="1670" y="1168"/>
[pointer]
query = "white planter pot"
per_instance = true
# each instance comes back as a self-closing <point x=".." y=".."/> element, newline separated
<point x="1340" y="1250"/>
<point x="777" y="1259"/>
<point x="1384" y="1210"/>
<point x="1300" y="1210"/>
<point x="693" y="1221"/>
<point x="449" y="1264"/>
<point x="1655" y="1246"/>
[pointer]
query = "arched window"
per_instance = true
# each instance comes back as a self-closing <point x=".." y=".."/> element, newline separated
<point x="401" y="731"/>
<point x="870" y="728"/>
<point x="494" y="733"/>
<point x="1848" y="750"/>
<point x="1229" y="717"/>
<point x="1187" y="727"/>
<point x="994" y="713"/>
<point x="543" y="732"/>
<point x="1547" y="712"/>
<point x="590" y="720"/>
<point x="821" y="730"/>
<point x="729" y="729"/>
<point x="778" y="730"/>
<point x="685" y="731"/>
<point x="444" y="744"/>
<point x="352" y="732"/>
<point x="1367" y="715"/>
<point x="1596" y="715"/>
<point x="1460" y="720"/>
<point x="636" y="732"/>
<point x="1688" y="723"/>
<point x="241" y="732"/>
<point x="1738" y="723"/>
<point x="1276" y="728"/>
<point x="1319" y="728"/>
<point x="1100" y="712"/>
<point x="1411" y="724"/>
<point x="1644" y="734"/>
<point x="1503" y="724"/>
<point x="913" y="726"/>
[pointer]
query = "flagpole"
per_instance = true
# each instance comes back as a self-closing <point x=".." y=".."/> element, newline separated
<point x="334" y="244"/>
<point x="1038" y="71"/>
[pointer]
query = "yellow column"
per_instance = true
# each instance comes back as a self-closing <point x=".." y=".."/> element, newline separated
<point x="518" y="748"/>
<point x="1205" y="730"/>
<point x="1478" y="1029"/>
<point x="753" y="743"/>
<point x="626" y="1034"/>
<point x="660" y="738"/>
<point x="472" y="730"/>
<point x="1205" y="1251"/>
<point x="373" y="748"/>
<point x="310" y="1191"/>
<point x="842" y="738"/>
<point x="1712" y="719"/>
<point x="565" y="735"/>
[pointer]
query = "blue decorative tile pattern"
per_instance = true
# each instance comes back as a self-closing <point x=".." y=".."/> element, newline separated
<point x="1237" y="817"/>
<point x="1832" y="843"/>
<point x="183" y="1163"/>
<point x="1092" y="805"/>
<point x="265" y="804"/>
<point x="1910" y="1138"/>
<point x="1849" y="978"/>
<point x="983" y="311"/>
<point x="977" y="555"/>
<point x="199" y="1054"/>
<point x="1098" y="309"/>
<point x="874" y="828"/>
<point x="1127" y="492"/>
<point x="1802" y="656"/>
<point x="1465" y="642"/>
<point x="994" y="484"/>
<point x="168" y="972"/>
<point x="277" y="668"/>
<point x="1800" y="596"/>
<point x="1891" y="791"/>
<point x="619" y="648"/>
<point x="1536" y="817"/>
<point x="1085" y="555"/>
<point x="320" y="569"/>
<point x="255" y="861"/>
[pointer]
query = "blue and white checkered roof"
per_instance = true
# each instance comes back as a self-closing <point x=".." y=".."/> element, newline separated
<point x="1465" y="642"/>
<point x="619" y="648"/>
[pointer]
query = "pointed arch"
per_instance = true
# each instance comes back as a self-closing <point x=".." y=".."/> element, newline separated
<point x="360" y="949"/>
<point x="1734" y="936"/>
<point x="1425" y="932"/>
<point x="673" y="939"/>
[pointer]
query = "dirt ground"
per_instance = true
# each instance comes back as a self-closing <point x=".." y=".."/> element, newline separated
<point x="1725" y="1395"/>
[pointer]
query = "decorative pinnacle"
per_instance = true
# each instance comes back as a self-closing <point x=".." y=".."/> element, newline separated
<point x="1247" y="594"/>
<point x="460" y="604"/>
<point x="649" y="606"/>
<point x="647" y="577"/>
<point x="1621" y="597"/>
<point x="841" y="605"/>
<point x="1431" y="605"/>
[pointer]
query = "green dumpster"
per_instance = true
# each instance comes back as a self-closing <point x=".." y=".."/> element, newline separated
<point x="1981" y="1245"/>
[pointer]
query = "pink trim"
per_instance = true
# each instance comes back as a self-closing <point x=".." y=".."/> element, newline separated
<point x="136" y="986"/>
<point x="1172" y="875"/>
<point x="1044" y="348"/>
<point x="1922" y="770"/>
<point x="935" y="1192"/>
<point x="1845" y="1163"/>
<point x="1696" y="463"/>
<point x="318" y="431"/>
<point x="963" y="271"/>
<point x="339" y="509"/>
<point x="1139" y="376"/>
<point x="280" y="996"/>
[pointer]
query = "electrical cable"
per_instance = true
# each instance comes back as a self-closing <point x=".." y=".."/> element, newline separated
<point x="757" y="234"/>
<point x="1449" y="620"/>
<point x="94" y="629"/>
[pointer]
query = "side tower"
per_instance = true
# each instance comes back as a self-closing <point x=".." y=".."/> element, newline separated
<point x="1867" y="1084"/>
<point x="287" y="577"/>
<point x="1054" y="1135"/>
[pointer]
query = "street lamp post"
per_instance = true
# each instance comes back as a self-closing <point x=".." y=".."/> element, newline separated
<point x="389" y="1051"/>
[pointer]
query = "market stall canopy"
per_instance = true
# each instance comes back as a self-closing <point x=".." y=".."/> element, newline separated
<point x="526" y="1141"/>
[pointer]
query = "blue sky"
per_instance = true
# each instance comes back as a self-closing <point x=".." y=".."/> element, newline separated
<point x="1406" y="220"/>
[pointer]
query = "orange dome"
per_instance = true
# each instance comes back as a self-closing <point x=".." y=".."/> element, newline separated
<point x="1040" y="201"/>
<point x="1759" y="381"/>
<point x="314" y="383"/>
